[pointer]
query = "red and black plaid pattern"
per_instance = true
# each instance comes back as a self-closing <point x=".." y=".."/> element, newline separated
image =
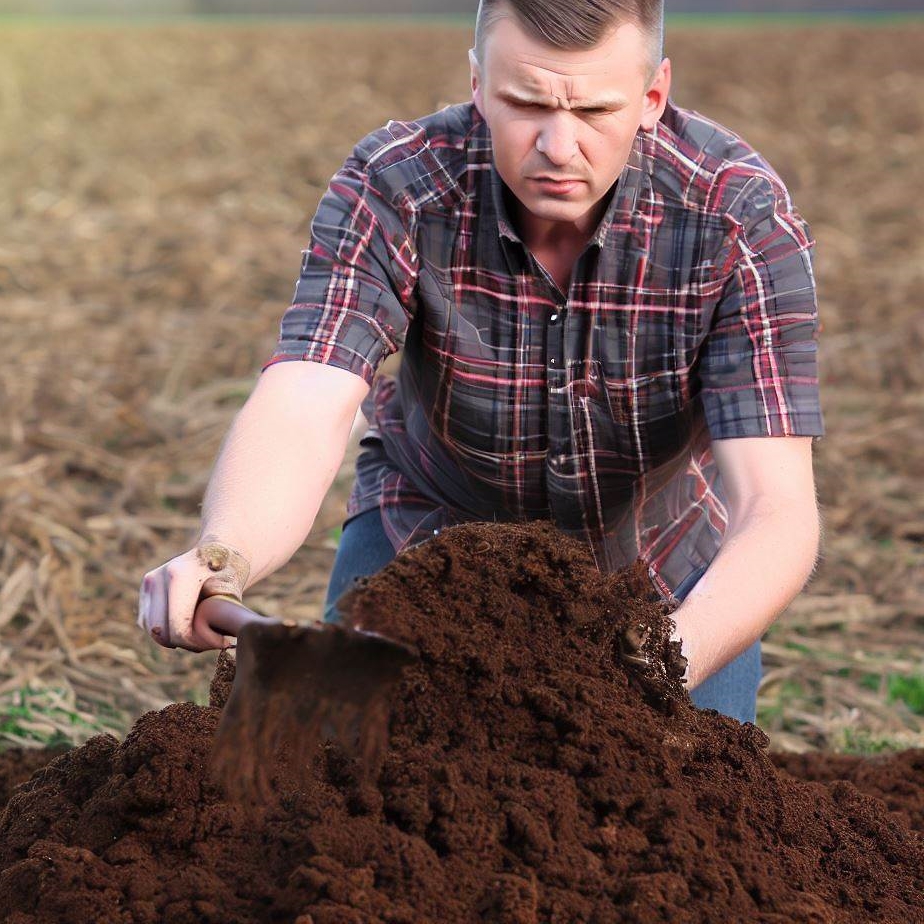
<point x="691" y="316"/>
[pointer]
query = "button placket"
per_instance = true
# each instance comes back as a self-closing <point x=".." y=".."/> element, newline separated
<point x="558" y="417"/>
<point x="555" y="342"/>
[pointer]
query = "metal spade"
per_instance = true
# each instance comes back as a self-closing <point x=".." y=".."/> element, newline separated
<point x="295" y="686"/>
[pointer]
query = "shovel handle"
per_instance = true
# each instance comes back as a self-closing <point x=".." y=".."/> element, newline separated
<point x="227" y="615"/>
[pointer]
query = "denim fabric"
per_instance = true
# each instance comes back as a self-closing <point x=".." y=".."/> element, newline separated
<point x="364" y="549"/>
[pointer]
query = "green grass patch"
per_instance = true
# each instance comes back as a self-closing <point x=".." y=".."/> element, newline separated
<point x="909" y="690"/>
<point x="866" y="680"/>
<point x="864" y="743"/>
<point x="770" y="714"/>
<point x="43" y="716"/>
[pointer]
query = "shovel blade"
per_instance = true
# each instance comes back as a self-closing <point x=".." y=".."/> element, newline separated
<point x="297" y="686"/>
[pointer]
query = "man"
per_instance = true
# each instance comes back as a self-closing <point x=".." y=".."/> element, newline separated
<point x="607" y="314"/>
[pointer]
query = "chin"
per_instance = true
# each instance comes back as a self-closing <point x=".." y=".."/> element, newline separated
<point x="556" y="210"/>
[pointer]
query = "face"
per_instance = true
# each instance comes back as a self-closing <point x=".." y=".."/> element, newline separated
<point x="563" y="122"/>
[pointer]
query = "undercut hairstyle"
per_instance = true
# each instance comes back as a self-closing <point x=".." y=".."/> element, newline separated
<point x="575" y="24"/>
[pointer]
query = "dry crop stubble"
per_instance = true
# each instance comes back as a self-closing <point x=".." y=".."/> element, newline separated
<point x="157" y="188"/>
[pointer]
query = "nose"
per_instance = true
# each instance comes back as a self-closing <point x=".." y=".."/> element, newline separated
<point x="557" y="139"/>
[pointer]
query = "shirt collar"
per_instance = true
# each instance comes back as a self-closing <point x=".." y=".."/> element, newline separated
<point x="635" y="175"/>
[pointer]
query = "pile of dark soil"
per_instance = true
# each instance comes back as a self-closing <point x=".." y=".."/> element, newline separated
<point x="534" y="774"/>
<point x="896" y="779"/>
<point x="18" y="764"/>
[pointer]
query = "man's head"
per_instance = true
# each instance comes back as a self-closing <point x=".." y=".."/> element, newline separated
<point x="564" y="86"/>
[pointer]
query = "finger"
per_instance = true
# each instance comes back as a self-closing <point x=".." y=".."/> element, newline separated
<point x="144" y="603"/>
<point x="159" y="626"/>
<point x="152" y="607"/>
<point x="182" y="596"/>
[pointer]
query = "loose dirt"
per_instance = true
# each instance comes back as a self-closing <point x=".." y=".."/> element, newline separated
<point x="534" y="774"/>
<point x="896" y="779"/>
<point x="18" y="764"/>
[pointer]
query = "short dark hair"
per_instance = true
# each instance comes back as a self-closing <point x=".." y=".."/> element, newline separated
<point x="571" y="24"/>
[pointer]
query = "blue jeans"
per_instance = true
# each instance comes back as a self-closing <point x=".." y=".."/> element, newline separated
<point x="364" y="549"/>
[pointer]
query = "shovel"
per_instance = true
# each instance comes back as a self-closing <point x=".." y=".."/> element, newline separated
<point x="295" y="686"/>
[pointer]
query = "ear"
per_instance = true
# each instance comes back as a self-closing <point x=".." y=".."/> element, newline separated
<point x="477" y="92"/>
<point x="656" y="96"/>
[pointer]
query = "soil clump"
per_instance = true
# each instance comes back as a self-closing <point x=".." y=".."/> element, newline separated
<point x="895" y="778"/>
<point x="544" y="765"/>
<point x="18" y="764"/>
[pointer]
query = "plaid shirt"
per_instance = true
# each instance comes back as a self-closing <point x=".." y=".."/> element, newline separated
<point x="690" y="316"/>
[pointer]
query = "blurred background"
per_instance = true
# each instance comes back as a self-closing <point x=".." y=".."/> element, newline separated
<point x="419" y="7"/>
<point x="158" y="180"/>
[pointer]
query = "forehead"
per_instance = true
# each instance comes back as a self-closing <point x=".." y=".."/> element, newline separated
<point x="515" y="56"/>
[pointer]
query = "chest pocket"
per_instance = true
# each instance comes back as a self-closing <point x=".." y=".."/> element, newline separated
<point x="643" y="395"/>
<point x="475" y="361"/>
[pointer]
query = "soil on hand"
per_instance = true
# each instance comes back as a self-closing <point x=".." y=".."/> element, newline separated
<point x="544" y="765"/>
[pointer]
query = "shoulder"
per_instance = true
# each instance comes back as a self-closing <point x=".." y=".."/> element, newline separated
<point x="705" y="166"/>
<point x="418" y="162"/>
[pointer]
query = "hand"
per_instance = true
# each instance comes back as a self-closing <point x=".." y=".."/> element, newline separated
<point x="678" y="664"/>
<point x="169" y="595"/>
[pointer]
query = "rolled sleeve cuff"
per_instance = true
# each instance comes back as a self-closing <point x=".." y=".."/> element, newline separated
<point x="352" y="341"/>
<point x="743" y="412"/>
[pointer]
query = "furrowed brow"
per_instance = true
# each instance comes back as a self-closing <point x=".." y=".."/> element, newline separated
<point x="604" y="102"/>
<point x="517" y="96"/>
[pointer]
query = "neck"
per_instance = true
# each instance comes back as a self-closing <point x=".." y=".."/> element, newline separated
<point x="540" y="233"/>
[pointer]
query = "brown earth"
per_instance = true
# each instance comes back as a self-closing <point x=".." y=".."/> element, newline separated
<point x="533" y="774"/>
<point x="896" y="779"/>
<point x="18" y="764"/>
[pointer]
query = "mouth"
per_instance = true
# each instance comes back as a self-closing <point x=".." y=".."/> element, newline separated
<point x="556" y="185"/>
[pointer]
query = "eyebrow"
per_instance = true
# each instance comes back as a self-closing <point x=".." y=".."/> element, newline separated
<point x="608" y="102"/>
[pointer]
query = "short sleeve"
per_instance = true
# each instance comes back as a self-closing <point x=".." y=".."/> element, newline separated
<point x="758" y="365"/>
<point x="354" y="296"/>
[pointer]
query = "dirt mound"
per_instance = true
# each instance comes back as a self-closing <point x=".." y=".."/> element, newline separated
<point x="534" y="773"/>
<point x="896" y="779"/>
<point x="18" y="764"/>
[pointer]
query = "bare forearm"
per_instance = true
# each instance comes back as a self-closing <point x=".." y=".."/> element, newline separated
<point x="764" y="562"/>
<point x="278" y="461"/>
